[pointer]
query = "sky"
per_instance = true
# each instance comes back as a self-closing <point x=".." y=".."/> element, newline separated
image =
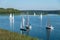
<point x="31" y="4"/>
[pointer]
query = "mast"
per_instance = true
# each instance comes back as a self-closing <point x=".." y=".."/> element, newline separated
<point x="41" y="16"/>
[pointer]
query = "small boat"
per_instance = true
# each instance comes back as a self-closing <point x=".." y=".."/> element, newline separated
<point x="22" y="25"/>
<point x="34" y="14"/>
<point x="12" y="17"/>
<point x="49" y="26"/>
<point x="23" y="29"/>
<point x="28" y="25"/>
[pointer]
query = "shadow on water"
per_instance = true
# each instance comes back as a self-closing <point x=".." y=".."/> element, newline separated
<point x="25" y="32"/>
<point x="22" y="32"/>
<point x="48" y="31"/>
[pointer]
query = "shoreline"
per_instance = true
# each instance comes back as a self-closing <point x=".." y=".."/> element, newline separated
<point x="7" y="35"/>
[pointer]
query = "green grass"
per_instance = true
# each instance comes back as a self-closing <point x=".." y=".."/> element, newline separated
<point x="7" y="35"/>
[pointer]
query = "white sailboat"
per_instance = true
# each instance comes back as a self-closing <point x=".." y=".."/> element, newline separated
<point x="34" y="14"/>
<point x="22" y="24"/>
<point x="28" y="25"/>
<point x="41" y="16"/>
<point x="11" y="20"/>
<point x="49" y="26"/>
<point x="12" y="17"/>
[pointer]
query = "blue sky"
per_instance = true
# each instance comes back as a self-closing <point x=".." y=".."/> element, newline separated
<point x="31" y="4"/>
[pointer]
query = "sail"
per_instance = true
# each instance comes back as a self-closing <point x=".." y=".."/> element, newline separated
<point x="41" y="16"/>
<point x="23" y="22"/>
<point x="49" y="26"/>
<point x="41" y="19"/>
<point x="34" y="14"/>
<point x="10" y="18"/>
<point x="10" y="15"/>
<point x="28" y="25"/>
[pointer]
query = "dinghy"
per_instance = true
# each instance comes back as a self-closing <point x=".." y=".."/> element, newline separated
<point x="22" y="25"/>
<point x="49" y="26"/>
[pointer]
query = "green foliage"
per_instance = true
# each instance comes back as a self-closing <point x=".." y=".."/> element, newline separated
<point x="6" y="35"/>
<point x="31" y="12"/>
<point x="9" y="10"/>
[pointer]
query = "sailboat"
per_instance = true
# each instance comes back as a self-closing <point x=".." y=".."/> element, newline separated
<point x="22" y="24"/>
<point x="28" y="25"/>
<point x="12" y="17"/>
<point x="41" y="16"/>
<point x="34" y="14"/>
<point x="49" y="26"/>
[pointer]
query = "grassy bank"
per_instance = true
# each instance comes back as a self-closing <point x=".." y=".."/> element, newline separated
<point x="6" y="35"/>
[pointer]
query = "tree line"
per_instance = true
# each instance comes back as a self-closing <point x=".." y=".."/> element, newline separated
<point x="12" y="10"/>
<point x="9" y="10"/>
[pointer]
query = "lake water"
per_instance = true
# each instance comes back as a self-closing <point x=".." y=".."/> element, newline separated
<point x="38" y="28"/>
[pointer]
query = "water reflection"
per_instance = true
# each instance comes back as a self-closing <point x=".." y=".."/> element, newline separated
<point x="25" y="32"/>
<point x="48" y="31"/>
<point x="22" y="32"/>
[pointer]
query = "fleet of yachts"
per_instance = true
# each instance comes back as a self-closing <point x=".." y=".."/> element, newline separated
<point x="27" y="26"/>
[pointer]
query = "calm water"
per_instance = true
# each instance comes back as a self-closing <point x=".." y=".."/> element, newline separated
<point x="38" y="28"/>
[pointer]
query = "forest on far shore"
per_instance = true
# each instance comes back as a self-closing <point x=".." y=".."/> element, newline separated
<point x="38" y="12"/>
<point x="9" y="10"/>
